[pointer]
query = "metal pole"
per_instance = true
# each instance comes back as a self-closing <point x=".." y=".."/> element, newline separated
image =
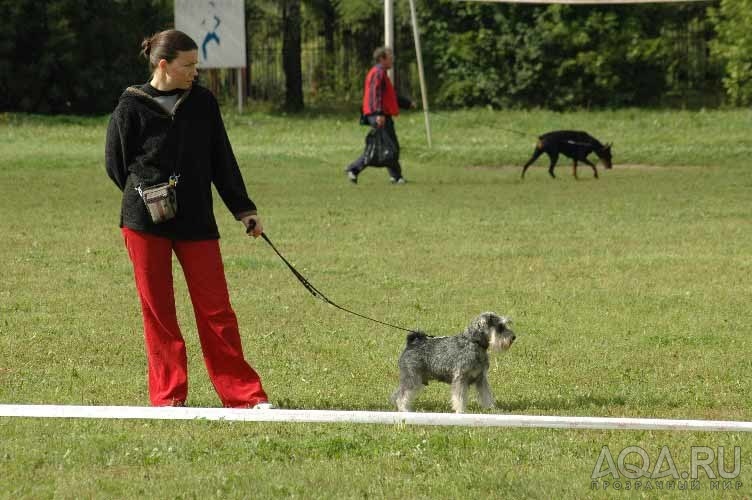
<point x="419" y="56"/>
<point x="389" y="29"/>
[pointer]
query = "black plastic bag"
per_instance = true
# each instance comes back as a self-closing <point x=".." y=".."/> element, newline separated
<point x="381" y="151"/>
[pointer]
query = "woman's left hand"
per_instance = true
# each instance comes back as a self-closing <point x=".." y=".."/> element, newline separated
<point x="258" y="228"/>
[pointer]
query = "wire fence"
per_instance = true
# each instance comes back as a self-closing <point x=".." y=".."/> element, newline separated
<point x="333" y="69"/>
<point x="328" y="74"/>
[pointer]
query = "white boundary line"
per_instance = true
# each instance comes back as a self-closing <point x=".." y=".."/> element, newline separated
<point x="370" y="417"/>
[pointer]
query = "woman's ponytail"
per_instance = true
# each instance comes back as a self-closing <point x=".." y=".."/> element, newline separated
<point x="146" y="47"/>
<point x="166" y="45"/>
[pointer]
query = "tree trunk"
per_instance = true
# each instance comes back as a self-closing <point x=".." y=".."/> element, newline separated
<point x="330" y="25"/>
<point x="291" y="28"/>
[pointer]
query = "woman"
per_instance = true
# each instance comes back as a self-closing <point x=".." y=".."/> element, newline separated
<point x="170" y="130"/>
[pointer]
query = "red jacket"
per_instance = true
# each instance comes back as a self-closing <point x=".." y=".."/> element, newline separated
<point x="379" y="97"/>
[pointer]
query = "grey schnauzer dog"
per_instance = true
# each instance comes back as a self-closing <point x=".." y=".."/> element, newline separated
<point x="459" y="360"/>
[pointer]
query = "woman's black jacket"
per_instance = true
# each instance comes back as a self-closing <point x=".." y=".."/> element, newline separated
<point x="146" y="144"/>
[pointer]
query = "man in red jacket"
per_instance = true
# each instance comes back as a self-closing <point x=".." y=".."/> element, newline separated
<point x="380" y="104"/>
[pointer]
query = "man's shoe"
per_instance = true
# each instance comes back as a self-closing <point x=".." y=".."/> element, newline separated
<point x="352" y="176"/>
<point x="401" y="180"/>
<point x="263" y="406"/>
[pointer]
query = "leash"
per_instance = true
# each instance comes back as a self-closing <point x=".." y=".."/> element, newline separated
<point x="312" y="289"/>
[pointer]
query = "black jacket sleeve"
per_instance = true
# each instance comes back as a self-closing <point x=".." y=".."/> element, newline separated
<point x="226" y="174"/>
<point x="114" y="151"/>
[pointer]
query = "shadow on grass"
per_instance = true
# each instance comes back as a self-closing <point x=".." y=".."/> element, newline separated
<point x="563" y="403"/>
<point x="502" y="406"/>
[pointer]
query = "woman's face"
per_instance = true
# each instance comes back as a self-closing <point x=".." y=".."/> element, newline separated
<point x="182" y="70"/>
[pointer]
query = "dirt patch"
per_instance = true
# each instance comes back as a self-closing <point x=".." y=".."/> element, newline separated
<point x="492" y="167"/>
<point x="630" y="166"/>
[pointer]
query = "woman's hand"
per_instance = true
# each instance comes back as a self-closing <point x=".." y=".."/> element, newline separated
<point x="253" y="221"/>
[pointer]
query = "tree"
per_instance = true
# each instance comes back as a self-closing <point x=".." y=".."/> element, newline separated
<point x="564" y="57"/>
<point x="324" y="13"/>
<point x="291" y="55"/>
<point x="733" y="45"/>
<point x="73" y="56"/>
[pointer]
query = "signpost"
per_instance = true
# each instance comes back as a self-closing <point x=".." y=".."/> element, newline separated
<point x="218" y="27"/>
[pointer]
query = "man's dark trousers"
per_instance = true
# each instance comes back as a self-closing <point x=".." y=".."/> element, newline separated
<point x="395" y="170"/>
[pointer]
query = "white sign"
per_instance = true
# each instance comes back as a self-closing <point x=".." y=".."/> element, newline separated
<point x="217" y="27"/>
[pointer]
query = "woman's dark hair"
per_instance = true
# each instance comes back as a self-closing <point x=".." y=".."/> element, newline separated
<point x="166" y="45"/>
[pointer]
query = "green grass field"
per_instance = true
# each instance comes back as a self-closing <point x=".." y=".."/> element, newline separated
<point x="630" y="297"/>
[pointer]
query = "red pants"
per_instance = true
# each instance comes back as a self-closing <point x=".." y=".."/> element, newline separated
<point x="237" y="384"/>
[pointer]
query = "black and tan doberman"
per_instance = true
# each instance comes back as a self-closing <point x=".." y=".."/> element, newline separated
<point x="572" y="144"/>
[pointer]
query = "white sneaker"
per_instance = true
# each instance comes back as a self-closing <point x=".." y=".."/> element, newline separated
<point x="263" y="406"/>
<point x="401" y="180"/>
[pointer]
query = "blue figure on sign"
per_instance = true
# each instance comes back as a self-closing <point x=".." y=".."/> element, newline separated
<point x="210" y="36"/>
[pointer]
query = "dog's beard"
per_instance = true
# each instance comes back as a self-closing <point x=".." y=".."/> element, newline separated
<point x="500" y="342"/>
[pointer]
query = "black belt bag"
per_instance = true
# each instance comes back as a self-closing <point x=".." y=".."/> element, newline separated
<point x="161" y="200"/>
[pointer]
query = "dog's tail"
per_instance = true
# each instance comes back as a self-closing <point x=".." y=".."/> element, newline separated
<point x="416" y="337"/>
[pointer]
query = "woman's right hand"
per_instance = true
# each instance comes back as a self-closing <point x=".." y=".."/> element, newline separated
<point x="253" y="225"/>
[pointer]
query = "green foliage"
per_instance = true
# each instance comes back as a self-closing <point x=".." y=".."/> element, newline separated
<point x="557" y="56"/>
<point x="66" y="56"/>
<point x="732" y="19"/>
<point x="358" y="11"/>
<point x="73" y="55"/>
